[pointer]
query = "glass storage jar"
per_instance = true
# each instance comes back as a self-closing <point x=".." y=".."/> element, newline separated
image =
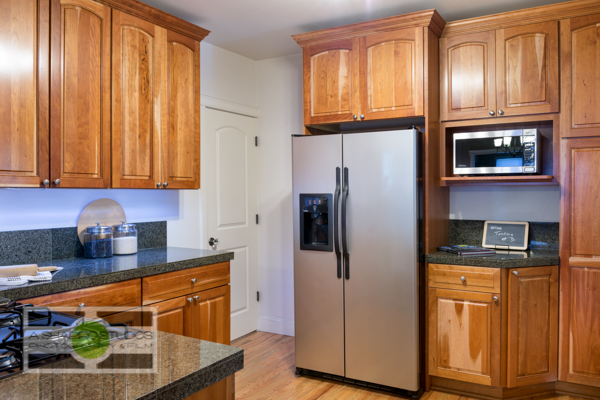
<point x="98" y="241"/>
<point x="125" y="239"/>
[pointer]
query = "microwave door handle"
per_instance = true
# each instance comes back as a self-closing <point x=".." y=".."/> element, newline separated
<point x="344" y="225"/>
<point x="336" y="240"/>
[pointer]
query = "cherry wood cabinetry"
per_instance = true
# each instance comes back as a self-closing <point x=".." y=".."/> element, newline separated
<point x="24" y="80"/>
<point x="580" y="76"/>
<point x="367" y="71"/>
<point x="506" y="72"/>
<point x="80" y="94"/>
<point x="493" y="327"/>
<point x="532" y="325"/>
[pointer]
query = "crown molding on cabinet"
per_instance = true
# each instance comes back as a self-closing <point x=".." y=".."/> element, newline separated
<point x="158" y="17"/>
<point x="527" y="16"/>
<point x="228" y="106"/>
<point x="430" y="18"/>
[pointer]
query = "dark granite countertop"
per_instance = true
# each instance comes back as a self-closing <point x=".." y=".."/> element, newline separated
<point x="502" y="259"/>
<point x="184" y="366"/>
<point x="80" y="273"/>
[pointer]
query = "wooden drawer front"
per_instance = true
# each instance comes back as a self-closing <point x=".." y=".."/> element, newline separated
<point x="120" y="294"/>
<point x="179" y="283"/>
<point x="477" y="279"/>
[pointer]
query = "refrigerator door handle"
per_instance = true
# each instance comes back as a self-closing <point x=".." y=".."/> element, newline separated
<point x="344" y="227"/>
<point x="336" y="240"/>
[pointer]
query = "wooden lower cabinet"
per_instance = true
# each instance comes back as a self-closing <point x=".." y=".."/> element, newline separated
<point x="505" y="338"/>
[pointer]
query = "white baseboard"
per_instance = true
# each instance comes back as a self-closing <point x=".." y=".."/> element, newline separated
<point x="276" y="325"/>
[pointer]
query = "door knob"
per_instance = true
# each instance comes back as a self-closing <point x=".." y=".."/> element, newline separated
<point x="213" y="242"/>
<point x="56" y="181"/>
<point x="500" y="112"/>
<point x="46" y="182"/>
<point x="492" y="113"/>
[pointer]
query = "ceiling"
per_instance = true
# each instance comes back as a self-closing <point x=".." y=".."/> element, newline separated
<point x="261" y="29"/>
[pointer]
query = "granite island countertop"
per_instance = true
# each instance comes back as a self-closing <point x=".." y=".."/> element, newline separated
<point x="184" y="366"/>
<point x="79" y="273"/>
<point x="502" y="259"/>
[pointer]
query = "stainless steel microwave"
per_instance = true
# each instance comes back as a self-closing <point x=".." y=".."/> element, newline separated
<point x="498" y="152"/>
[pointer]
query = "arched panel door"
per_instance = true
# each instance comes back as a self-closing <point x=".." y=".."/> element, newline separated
<point x="80" y="94"/>
<point x="468" y="79"/>
<point x="331" y="92"/>
<point x="138" y="56"/>
<point x="180" y="118"/>
<point x="527" y="69"/>
<point x="392" y="64"/>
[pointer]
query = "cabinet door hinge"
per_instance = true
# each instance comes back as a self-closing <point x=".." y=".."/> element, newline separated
<point x="256" y="141"/>
<point x="257" y="296"/>
<point x="256" y="219"/>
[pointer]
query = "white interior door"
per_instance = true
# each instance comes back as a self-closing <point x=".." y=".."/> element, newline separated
<point x="229" y="190"/>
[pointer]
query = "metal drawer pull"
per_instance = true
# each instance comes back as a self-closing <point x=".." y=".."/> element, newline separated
<point x="495" y="298"/>
<point x="515" y="272"/>
<point x="462" y="278"/>
<point x="193" y="280"/>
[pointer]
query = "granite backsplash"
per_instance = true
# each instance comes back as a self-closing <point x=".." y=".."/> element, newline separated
<point x="37" y="246"/>
<point x="541" y="234"/>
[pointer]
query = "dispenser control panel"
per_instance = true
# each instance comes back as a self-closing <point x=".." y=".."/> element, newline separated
<point x="316" y="222"/>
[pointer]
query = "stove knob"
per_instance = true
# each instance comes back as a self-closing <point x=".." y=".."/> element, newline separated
<point x="81" y="304"/>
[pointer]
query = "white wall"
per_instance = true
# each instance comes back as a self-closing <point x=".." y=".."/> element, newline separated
<point x="228" y="82"/>
<point x="505" y="203"/>
<point x="279" y="88"/>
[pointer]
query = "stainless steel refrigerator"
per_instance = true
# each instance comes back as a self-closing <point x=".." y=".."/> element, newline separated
<point x="356" y="246"/>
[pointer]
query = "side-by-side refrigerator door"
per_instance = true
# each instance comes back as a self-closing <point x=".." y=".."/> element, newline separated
<point x="381" y="243"/>
<point x="318" y="282"/>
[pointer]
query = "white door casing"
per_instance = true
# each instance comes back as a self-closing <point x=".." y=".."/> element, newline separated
<point x="229" y="192"/>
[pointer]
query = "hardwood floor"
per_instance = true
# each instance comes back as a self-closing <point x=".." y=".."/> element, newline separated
<point x="269" y="374"/>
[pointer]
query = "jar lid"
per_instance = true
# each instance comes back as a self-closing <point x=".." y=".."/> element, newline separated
<point x="124" y="227"/>
<point x="99" y="228"/>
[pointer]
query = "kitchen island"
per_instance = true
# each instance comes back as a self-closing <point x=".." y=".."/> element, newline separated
<point x="184" y="366"/>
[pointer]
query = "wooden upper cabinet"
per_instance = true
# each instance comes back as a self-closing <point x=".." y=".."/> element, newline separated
<point x="391" y="70"/>
<point x="580" y="76"/>
<point x="138" y="59"/>
<point x="181" y="114"/>
<point x="532" y="325"/>
<point x="527" y="69"/>
<point x="331" y="82"/>
<point x="464" y="336"/>
<point x="80" y="94"/>
<point x="24" y="55"/>
<point x="467" y="76"/>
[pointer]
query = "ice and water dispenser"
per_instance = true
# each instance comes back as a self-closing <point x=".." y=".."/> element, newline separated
<point x="316" y="228"/>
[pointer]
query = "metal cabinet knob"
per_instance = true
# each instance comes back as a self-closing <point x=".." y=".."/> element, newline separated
<point x="56" y="181"/>
<point x="190" y="299"/>
<point x="196" y="297"/>
<point x="500" y="112"/>
<point x="194" y="280"/>
<point x="492" y="113"/>
<point x="45" y="182"/>
<point x="462" y="278"/>
<point x="354" y="116"/>
<point x="165" y="184"/>
<point x="159" y="184"/>
<point x="213" y="241"/>
<point x="495" y="298"/>
<point x="515" y="273"/>
<point x="362" y="116"/>
<point x="81" y="304"/>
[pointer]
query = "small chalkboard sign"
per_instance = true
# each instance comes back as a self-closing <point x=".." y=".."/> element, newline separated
<point x="505" y="235"/>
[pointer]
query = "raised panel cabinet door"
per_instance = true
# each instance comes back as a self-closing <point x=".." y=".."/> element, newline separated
<point x="532" y="325"/>
<point x="391" y="71"/>
<point x="24" y="66"/>
<point x="468" y="76"/>
<point x="171" y="315"/>
<point x="585" y="201"/>
<point x="331" y="82"/>
<point x="180" y="114"/>
<point x="527" y="69"/>
<point x="80" y="94"/>
<point x="580" y="76"/>
<point x="464" y="336"/>
<point x="138" y="54"/>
